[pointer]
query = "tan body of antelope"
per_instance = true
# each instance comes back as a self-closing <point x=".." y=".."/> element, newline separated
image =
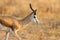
<point x="13" y="25"/>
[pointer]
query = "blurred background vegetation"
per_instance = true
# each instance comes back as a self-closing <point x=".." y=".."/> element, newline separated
<point x="48" y="13"/>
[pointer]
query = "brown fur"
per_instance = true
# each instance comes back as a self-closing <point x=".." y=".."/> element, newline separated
<point x="10" y="22"/>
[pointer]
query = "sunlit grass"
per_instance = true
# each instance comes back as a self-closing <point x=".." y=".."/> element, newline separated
<point x="48" y="13"/>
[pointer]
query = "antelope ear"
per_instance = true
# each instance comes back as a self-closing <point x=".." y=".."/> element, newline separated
<point x="35" y="12"/>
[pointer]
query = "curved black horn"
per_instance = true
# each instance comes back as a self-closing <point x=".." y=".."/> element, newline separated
<point x="33" y="9"/>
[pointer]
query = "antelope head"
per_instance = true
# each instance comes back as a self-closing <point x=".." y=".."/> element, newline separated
<point x="34" y="17"/>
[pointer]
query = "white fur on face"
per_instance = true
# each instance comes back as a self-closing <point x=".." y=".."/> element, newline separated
<point x="35" y="20"/>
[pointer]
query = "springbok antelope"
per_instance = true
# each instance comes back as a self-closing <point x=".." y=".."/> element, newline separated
<point x="13" y="25"/>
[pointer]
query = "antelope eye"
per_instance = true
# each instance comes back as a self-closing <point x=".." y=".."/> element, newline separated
<point x="34" y="17"/>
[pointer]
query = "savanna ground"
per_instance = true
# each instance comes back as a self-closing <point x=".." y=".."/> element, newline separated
<point x="48" y="12"/>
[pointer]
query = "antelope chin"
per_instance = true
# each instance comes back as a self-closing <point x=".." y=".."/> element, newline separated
<point x="37" y="21"/>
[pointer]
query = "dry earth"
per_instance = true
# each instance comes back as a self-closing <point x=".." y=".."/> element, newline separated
<point x="48" y="12"/>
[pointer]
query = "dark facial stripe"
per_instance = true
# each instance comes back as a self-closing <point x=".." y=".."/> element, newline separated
<point x="35" y="13"/>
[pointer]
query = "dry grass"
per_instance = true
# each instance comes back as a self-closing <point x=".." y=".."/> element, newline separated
<point x="48" y="12"/>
